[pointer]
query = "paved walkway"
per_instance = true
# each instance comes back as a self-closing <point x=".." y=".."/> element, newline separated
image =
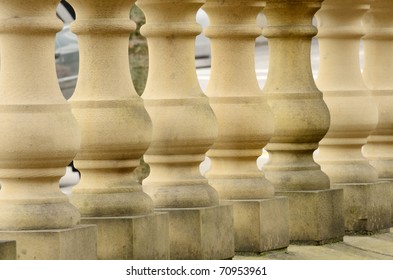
<point x="373" y="247"/>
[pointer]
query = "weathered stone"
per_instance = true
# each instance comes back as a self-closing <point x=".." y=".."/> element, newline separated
<point x="7" y="250"/>
<point x="116" y="131"/>
<point x="261" y="225"/>
<point x="184" y="128"/>
<point x="367" y="207"/>
<point x="201" y="233"/>
<point x="245" y="124"/>
<point x="78" y="243"/>
<point x="315" y="217"/>
<point x="132" y="238"/>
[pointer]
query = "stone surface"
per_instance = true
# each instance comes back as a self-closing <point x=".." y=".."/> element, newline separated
<point x="261" y="224"/>
<point x="7" y="250"/>
<point x="367" y="207"/>
<point x="315" y="217"/>
<point x="78" y="243"/>
<point x="138" y="237"/>
<point x="201" y="233"/>
<point x="245" y="125"/>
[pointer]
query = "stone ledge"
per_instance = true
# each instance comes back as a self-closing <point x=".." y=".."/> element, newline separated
<point x="261" y="225"/>
<point x="132" y="238"/>
<point x="78" y="243"/>
<point x="367" y="207"/>
<point x="204" y="233"/>
<point x="315" y="217"/>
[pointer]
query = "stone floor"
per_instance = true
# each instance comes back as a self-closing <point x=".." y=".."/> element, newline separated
<point x="373" y="247"/>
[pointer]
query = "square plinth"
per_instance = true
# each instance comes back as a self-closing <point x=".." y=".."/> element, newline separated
<point x="261" y="225"/>
<point x="315" y="217"/>
<point x="204" y="233"/>
<point x="78" y="243"/>
<point x="7" y="250"/>
<point x="132" y="238"/>
<point x="367" y="207"/>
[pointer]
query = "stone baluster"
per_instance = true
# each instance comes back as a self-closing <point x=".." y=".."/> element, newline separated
<point x="184" y="128"/>
<point x="378" y="68"/>
<point x="301" y="119"/>
<point x="245" y="125"/>
<point x="354" y="116"/>
<point x="39" y="138"/>
<point x="116" y="131"/>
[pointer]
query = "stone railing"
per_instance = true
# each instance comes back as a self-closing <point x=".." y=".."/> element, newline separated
<point x="177" y="213"/>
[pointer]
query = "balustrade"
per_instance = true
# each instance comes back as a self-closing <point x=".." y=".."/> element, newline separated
<point x="39" y="138"/>
<point x="354" y="115"/>
<point x="178" y="213"/>
<point x="245" y="125"/>
<point x="301" y="119"/>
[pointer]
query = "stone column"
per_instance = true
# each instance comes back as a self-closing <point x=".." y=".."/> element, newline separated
<point x="378" y="68"/>
<point x="116" y="131"/>
<point x="301" y="119"/>
<point x="184" y="128"/>
<point x="245" y="125"/>
<point x="39" y="138"/>
<point x="354" y="116"/>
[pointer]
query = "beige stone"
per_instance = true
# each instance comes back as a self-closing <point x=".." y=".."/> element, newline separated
<point x="78" y="243"/>
<point x="378" y="64"/>
<point x="116" y="131"/>
<point x="245" y="124"/>
<point x="39" y="138"/>
<point x="7" y="250"/>
<point x="315" y="217"/>
<point x="367" y="207"/>
<point x="184" y="128"/>
<point x="301" y="119"/>
<point x="201" y="233"/>
<point x="261" y="225"/>
<point x="132" y="238"/>
<point x="354" y="115"/>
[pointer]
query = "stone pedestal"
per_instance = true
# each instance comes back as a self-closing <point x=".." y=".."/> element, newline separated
<point x="315" y="217"/>
<point x="78" y="243"/>
<point x="367" y="207"/>
<point x="7" y="250"/>
<point x="132" y="238"/>
<point x="201" y="233"/>
<point x="261" y="224"/>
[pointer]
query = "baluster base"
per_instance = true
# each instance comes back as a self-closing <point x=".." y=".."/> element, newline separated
<point x="78" y="243"/>
<point x="204" y="233"/>
<point x="315" y="217"/>
<point x="367" y="207"/>
<point x="132" y="238"/>
<point x="261" y="225"/>
<point x="7" y="250"/>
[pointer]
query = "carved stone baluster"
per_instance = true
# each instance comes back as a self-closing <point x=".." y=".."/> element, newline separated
<point x="378" y="68"/>
<point x="354" y="116"/>
<point x="245" y="125"/>
<point x="116" y="131"/>
<point x="39" y="138"/>
<point x="184" y="128"/>
<point x="301" y="119"/>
